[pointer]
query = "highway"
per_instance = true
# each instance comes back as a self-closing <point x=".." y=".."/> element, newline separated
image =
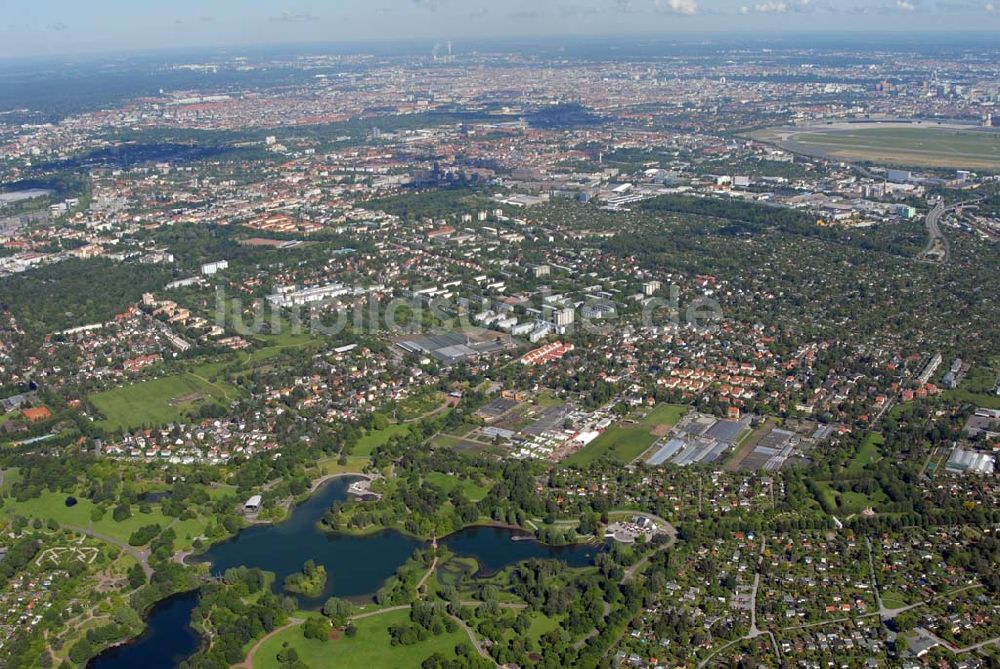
<point x="937" y="245"/>
<point x="938" y="249"/>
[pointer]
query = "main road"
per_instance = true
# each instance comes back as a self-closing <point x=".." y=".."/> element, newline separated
<point x="937" y="244"/>
<point x="938" y="248"/>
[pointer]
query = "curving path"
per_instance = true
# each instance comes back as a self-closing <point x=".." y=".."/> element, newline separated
<point x="474" y="639"/>
<point x="672" y="539"/>
<point x="378" y="612"/>
<point x="142" y="556"/>
<point x="248" y="662"/>
<point x="634" y="569"/>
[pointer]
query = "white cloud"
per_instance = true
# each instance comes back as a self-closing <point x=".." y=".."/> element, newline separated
<point x="905" y="5"/>
<point x="294" y="17"/>
<point x="687" y="7"/>
<point x="778" y="7"/>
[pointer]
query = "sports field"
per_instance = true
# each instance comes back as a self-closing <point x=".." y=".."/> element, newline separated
<point x="916" y="146"/>
<point x="158" y="401"/>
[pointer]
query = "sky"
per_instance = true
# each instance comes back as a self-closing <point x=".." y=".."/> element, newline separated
<point x="30" y="28"/>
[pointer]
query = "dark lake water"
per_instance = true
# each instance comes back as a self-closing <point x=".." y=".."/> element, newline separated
<point x="155" y="496"/>
<point x="167" y="641"/>
<point x="356" y="567"/>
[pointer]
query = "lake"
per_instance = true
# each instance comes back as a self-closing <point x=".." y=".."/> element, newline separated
<point x="356" y="567"/>
<point x="167" y="641"/>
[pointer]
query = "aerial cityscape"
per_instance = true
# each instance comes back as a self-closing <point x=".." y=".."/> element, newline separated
<point x="437" y="343"/>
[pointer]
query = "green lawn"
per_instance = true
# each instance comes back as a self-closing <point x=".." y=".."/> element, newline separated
<point x="545" y="400"/>
<point x="848" y="502"/>
<point x="10" y="477"/>
<point x="354" y="464"/>
<point x="276" y="344"/>
<point x="623" y="443"/>
<point x="977" y="387"/>
<point x="893" y="600"/>
<point x="627" y="442"/>
<point x="867" y="454"/>
<point x="540" y="624"/>
<point x="157" y="402"/>
<point x="53" y="505"/>
<point x="664" y="414"/>
<point x="376" y="438"/>
<point x="369" y="649"/>
<point x="472" y="490"/>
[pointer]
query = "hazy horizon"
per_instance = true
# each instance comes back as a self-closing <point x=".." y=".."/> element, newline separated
<point x="60" y="27"/>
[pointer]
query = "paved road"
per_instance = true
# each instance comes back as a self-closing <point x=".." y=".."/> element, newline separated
<point x="754" y="630"/>
<point x="952" y="647"/>
<point x="935" y="240"/>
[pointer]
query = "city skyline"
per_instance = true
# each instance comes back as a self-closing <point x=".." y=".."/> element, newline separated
<point x="58" y="27"/>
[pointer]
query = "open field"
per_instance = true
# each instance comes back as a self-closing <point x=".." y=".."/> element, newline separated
<point x="370" y="648"/>
<point x="376" y="438"/>
<point x="926" y="145"/>
<point x="977" y="387"/>
<point x="627" y="442"/>
<point x="868" y="453"/>
<point x="52" y="505"/>
<point x="158" y="401"/>
<point x="10" y="477"/>
<point x="622" y="443"/>
<point x="893" y="600"/>
<point x="664" y="415"/>
<point x="276" y="344"/>
<point x="847" y="502"/>
<point x="447" y="482"/>
<point x="330" y="466"/>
